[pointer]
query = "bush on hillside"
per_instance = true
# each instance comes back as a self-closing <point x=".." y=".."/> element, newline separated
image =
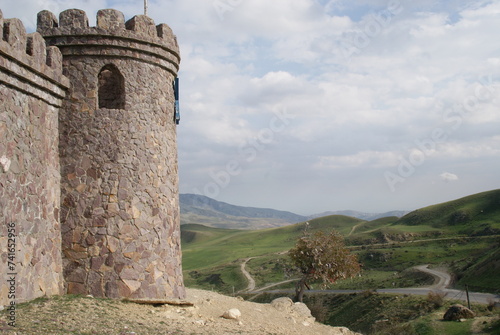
<point x="322" y="257"/>
<point x="436" y="298"/>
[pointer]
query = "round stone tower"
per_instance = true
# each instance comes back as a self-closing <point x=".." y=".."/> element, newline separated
<point x="118" y="155"/>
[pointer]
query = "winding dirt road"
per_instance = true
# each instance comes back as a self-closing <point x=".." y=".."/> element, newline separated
<point x="251" y="281"/>
<point x="441" y="279"/>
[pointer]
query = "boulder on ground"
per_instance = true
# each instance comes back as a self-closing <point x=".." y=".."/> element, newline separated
<point x="233" y="313"/>
<point x="457" y="312"/>
<point x="301" y="310"/>
<point x="297" y="312"/>
<point x="282" y="304"/>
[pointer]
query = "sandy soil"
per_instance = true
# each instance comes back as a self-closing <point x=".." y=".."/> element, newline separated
<point x="86" y="315"/>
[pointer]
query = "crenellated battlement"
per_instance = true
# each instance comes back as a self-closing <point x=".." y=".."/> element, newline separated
<point x="29" y="64"/>
<point x="138" y="37"/>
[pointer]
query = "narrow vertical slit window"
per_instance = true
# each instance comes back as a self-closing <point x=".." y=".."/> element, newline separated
<point x="177" y="112"/>
<point x="111" y="88"/>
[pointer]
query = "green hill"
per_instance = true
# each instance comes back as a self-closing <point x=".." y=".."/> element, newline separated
<point x="478" y="214"/>
<point x="462" y="235"/>
<point x="206" y="247"/>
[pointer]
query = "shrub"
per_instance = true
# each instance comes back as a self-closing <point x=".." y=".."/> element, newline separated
<point x="436" y="298"/>
<point x="322" y="257"/>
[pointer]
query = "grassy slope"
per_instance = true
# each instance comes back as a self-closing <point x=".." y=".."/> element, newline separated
<point x="385" y="314"/>
<point x="443" y="238"/>
<point x="206" y="247"/>
<point x="469" y="215"/>
<point x="211" y="251"/>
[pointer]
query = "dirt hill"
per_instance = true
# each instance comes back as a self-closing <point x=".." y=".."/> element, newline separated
<point x="87" y="315"/>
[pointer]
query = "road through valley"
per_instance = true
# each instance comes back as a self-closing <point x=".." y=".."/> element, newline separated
<point x="442" y="280"/>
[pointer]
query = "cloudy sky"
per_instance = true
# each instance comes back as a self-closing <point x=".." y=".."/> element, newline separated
<point x="317" y="105"/>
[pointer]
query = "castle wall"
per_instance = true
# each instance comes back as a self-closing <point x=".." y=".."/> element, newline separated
<point x="118" y="152"/>
<point x="32" y="89"/>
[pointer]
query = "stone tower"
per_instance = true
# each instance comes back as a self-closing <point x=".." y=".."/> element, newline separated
<point x="118" y="155"/>
<point x="32" y="90"/>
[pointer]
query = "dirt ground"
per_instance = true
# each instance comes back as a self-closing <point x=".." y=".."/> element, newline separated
<point x="87" y="315"/>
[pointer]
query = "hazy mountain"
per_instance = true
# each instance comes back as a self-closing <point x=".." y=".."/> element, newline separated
<point x="203" y="210"/>
<point x="210" y="212"/>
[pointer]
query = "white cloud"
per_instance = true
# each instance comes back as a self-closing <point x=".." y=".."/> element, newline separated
<point x="373" y="159"/>
<point x="448" y="177"/>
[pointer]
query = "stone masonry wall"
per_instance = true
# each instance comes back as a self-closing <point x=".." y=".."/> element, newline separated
<point x="118" y="151"/>
<point x="32" y="88"/>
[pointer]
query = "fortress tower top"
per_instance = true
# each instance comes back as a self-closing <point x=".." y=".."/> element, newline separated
<point x="139" y="36"/>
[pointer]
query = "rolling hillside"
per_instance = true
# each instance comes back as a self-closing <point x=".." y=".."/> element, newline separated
<point x="478" y="214"/>
<point x="204" y="246"/>
<point x="361" y="215"/>
<point x="431" y="235"/>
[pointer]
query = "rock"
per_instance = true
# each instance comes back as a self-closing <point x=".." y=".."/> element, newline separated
<point x="282" y="304"/>
<point x="5" y="163"/>
<point x="233" y="313"/>
<point x="457" y="312"/>
<point x="301" y="309"/>
<point x="297" y="312"/>
<point x="303" y="313"/>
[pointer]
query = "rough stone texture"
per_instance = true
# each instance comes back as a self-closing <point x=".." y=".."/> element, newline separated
<point x="282" y="304"/>
<point x="458" y="312"/>
<point x="88" y="159"/>
<point x="118" y="152"/>
<point x="232" y="313"/>
<point x="32" y="88"/>
<point x="297" y="312"/>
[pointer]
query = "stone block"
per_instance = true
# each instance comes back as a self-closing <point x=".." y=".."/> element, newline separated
<point x="110" y="19"/>
<point x="36" y="48"/>
<point x="73" y="18"/>
<point x="15" y="34"/>
<point x="76" y="288"/>
<point x="46" y="20"/>
<point x="142" y="24"/>
<point x="133" y="285"/>
<point x="164" y="31"/>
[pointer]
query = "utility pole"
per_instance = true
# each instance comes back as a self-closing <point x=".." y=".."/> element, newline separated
<point x="467" y="294"/>
<point x="145" y="7"/>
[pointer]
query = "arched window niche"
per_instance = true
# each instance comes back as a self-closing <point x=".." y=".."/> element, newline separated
<point x="111" y="88"/>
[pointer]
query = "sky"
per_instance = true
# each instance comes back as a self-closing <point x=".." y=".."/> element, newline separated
<point x="321" y="105"/>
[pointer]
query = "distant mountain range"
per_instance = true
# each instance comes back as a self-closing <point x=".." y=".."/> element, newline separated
<point x="206" y="211"/>
<point x="203" y="210"/>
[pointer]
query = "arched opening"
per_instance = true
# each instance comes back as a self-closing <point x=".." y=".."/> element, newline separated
<point x="111" y="88"/>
